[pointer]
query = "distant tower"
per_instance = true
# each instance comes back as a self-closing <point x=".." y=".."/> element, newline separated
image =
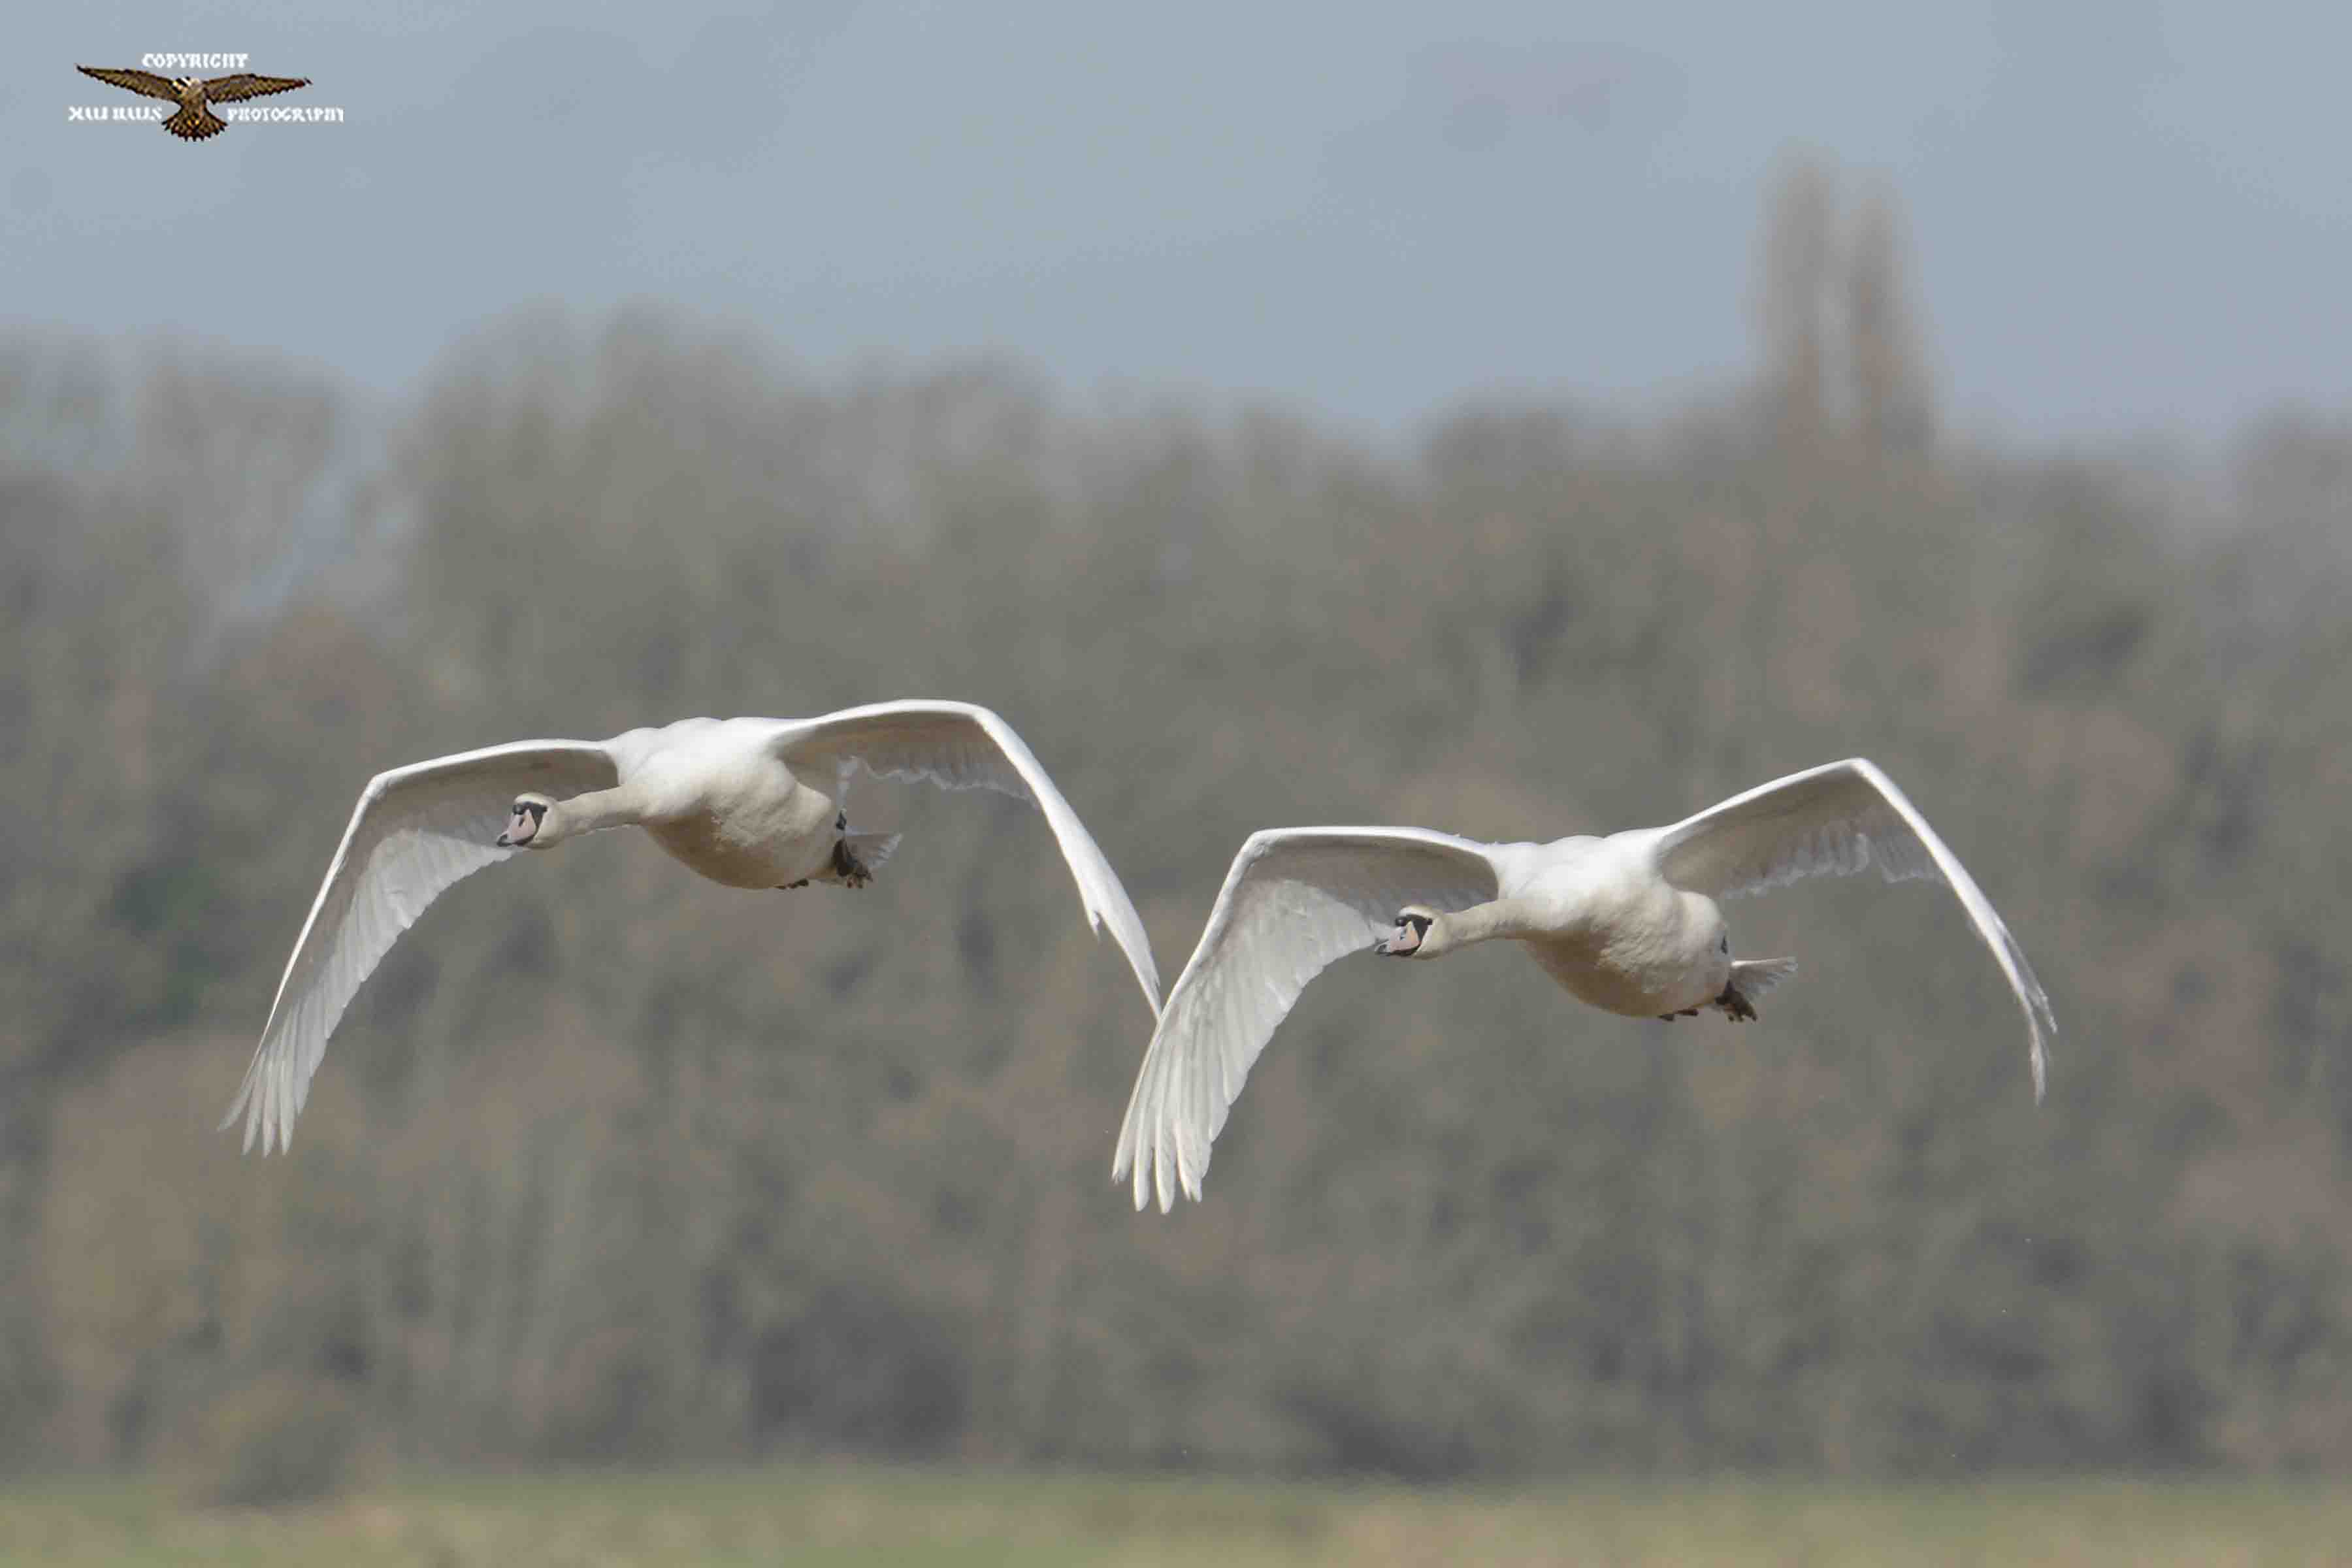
<point x="1794" y="260"/>
<point x="1892" y="410"/>
<point x="1833" y="303"/>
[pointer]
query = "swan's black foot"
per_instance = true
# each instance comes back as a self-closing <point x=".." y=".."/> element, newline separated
<point x="788" y="887"/>
<point x="849" y="868"/>
<point x="1735" y="1005"/>
<point x="1685" y="1013"/>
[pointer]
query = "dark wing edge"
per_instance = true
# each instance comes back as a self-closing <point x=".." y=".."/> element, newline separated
<point x="146" y="83"/>
<point x="244" y="84"/>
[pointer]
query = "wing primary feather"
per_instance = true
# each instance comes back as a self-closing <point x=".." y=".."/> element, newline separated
<point x="1293" y="901"/>
<point x="1840" y="819"/>
<point x="960" y="745"/>
<point x="145" y="83"/>
<point x="415" y="831"/>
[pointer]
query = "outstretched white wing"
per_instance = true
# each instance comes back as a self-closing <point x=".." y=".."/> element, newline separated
<point x="1838" y="819"/>
<point x="958" y="745"/>
<point x="415" y="831"/>
<point x="1295" y="899"/>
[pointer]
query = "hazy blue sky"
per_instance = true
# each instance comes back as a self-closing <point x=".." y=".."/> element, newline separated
<point x="2125" y="216"/>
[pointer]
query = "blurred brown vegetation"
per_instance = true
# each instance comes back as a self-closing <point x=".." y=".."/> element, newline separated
<point x="607" y="1162"/>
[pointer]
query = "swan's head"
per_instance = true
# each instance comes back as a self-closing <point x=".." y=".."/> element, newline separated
<point x="1410" y="935"/>
<point x="530" y="816"/>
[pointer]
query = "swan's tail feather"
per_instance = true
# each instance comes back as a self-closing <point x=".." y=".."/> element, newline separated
<point x="1751" y="977"/>
<point x="873" y="848"/>
<point x="857" y="857"/>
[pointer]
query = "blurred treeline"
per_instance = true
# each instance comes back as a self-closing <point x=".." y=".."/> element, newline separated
<point x="608" y="1163"/>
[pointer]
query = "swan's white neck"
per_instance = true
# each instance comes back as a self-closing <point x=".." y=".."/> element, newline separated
<point x="590" y="812"/>
<point x="1479" y="923"/>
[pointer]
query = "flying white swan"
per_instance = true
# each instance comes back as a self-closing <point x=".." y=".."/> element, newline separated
<point x="1628" y="923"/>
<point x="748" y="802"/>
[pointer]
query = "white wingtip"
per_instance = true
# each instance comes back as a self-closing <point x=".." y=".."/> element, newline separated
<point x="242" y="1108"/>
<point x="1124" y="1171"/>
<point x="2040" y="1028"/>
<point x="264" y="1123"/>
<point x="1144" y="1163"/>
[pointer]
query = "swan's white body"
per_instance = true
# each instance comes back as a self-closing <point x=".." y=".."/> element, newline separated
<point x="1628" y="923"/>
<point x="747" y="803"/>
